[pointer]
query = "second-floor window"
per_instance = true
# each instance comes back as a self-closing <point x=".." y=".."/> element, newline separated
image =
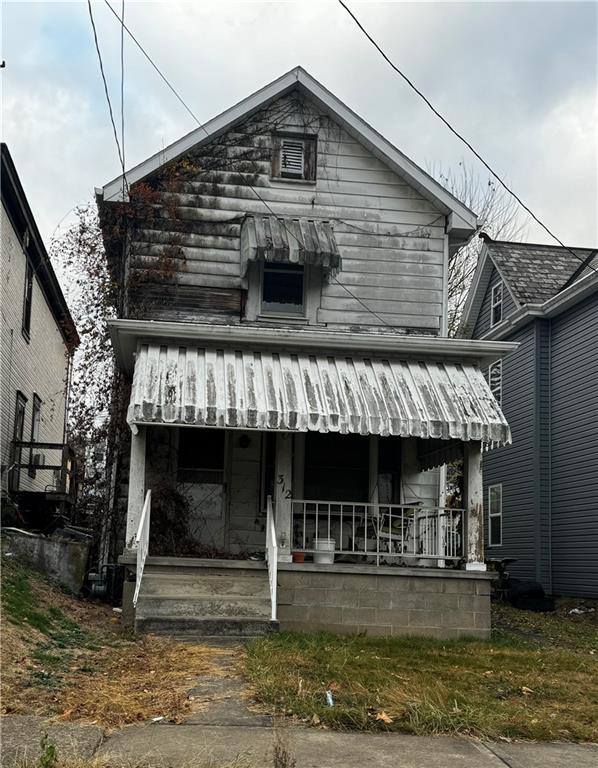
<point x="495" y="380"/>
<point x="27" y="300"/>
<point x="283" y="288"/>
<point x="496" y="304"/>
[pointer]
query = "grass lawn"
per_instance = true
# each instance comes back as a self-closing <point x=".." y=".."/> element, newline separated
<point x="68" y="658"/>
<point x="536" y="679"/>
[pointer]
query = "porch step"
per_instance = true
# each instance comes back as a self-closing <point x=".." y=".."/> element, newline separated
<point x="191" y="584"/>
<point x="190" y="606"/>
<point x="204" y="627"/>
<point x="202" y="600"/>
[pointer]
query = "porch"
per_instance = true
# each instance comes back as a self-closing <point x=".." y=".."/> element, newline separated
<point x="335" y="459"/>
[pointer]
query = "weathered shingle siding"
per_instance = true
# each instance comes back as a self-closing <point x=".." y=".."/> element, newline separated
<point x="390" y="238"/>
<point x="482" y="323"/>
<point x="39" y="366"/>
<point x="574" y="438"/>
<point x="513" y="465"/>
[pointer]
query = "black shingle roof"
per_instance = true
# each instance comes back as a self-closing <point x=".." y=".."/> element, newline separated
<point x="536" y="273"/>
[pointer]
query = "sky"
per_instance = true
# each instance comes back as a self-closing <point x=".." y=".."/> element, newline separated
<point x="519" y="80"/>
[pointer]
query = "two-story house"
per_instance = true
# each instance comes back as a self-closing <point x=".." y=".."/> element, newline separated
<point x="283" y="275"/>
<point x="541" y="492"/>
<point x="38" y="340"/>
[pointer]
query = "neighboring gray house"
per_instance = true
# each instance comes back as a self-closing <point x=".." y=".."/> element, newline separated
<point x="541" y="492"/>
<point x="283" y="324"/>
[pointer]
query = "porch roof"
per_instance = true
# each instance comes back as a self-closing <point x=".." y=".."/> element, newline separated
<point x="210" y="386"/>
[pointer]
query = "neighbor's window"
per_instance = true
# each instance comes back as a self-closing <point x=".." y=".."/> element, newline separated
<point x="18" y="428"/>
<point x="35" y="422"/>
<point x="283" y="288"/>
<point x="27" y="299"/>
<point x="495" y="515"/>
<point x="495" y="380"/>
<point x="496" y="309"/>
<point x="294" y="157"/>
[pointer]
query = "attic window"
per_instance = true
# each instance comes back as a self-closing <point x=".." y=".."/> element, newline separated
<point x="294" y="157"/>
<point x="496" y="305"/>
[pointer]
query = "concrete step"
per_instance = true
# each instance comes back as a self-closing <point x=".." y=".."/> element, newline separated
<point x="157" y="606"/>
<point x="197" y="584"/>
<point x="205" y="626"/>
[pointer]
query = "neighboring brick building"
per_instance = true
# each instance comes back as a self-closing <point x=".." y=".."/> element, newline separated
<point x="38" y="339"/>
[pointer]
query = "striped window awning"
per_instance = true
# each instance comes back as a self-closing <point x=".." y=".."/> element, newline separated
<point x="268" y="390"/>
<point x="290" y="241"/>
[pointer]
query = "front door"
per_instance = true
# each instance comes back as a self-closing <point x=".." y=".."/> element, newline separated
<point x="200" y="476"/>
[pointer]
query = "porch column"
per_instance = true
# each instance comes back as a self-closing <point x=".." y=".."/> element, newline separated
<point x="136" y="485"/>
<point x="473" y="505"/>
<point x="283" y="493"/>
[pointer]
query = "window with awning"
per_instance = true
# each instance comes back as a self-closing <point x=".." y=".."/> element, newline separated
<point x="281" y="240"/>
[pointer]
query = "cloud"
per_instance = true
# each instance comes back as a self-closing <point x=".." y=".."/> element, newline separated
<point x="518" y="79"/>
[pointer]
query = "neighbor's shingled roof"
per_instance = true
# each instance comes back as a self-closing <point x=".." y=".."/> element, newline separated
<point x="536" y="273"/>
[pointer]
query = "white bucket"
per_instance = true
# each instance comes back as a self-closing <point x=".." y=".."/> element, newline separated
<point x="325" y="551"/>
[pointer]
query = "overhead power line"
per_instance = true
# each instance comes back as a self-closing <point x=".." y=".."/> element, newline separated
<point x="458" y="135"/>
<point x="103" y="74"/>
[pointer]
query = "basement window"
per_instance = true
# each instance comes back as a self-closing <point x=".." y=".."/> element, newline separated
<point x="495" y="515"/>
<point x="283" y="289"/>
<point x="294" y="157"/>
<point x="495" y="380"/>
<point x="496" y="304"/>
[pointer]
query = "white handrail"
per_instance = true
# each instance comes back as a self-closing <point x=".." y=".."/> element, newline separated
<point x="271" y="554"/>
<point x="142" y="544"/>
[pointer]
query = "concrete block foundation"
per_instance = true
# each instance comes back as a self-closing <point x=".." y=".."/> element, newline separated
<point x="350" y="599"/>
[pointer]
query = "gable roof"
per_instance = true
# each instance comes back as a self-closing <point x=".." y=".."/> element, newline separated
<point x="534" y="275"/>
<point x="462" y="221"/>
<point x="21" y="218"/>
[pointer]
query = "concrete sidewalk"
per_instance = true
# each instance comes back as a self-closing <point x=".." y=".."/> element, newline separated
<point x="174" y="745"/>
<point x="195" y="745"/>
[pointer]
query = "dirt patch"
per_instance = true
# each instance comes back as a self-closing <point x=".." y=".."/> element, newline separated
<point x="68" y="659"/>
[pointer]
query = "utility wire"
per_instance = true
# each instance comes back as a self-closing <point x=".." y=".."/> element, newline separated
<point x="458" y="135"/>
<point x="122" y="93"/>
<point x="97" y="45"/>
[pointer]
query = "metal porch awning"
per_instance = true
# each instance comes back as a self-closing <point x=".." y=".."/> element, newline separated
<point x="267" y="390"/>
<point x="289" y="241"/>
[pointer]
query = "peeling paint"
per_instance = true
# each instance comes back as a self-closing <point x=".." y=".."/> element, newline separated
<point x="299" y="392"/>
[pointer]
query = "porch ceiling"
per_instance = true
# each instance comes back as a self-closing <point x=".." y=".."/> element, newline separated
<point x="232" y="388"/>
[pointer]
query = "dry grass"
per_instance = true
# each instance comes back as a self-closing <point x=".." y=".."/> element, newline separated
<point x="67" y="658"/>
<point x="512" y="687"/>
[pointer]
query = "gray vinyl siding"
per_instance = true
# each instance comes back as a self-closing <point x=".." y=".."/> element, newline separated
<point x="574" y="439"/>
<point x="513" y="465"/>
<point x="542" y="454"/>
<point x="482" y="324"/>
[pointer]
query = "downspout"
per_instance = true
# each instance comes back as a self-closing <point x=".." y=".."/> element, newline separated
<point x="550" y="457"/>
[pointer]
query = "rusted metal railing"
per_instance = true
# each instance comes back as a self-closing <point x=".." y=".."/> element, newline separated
<point x="142" y="544"/>
<point x="405" y="533"/>
<point x="271" y="555"/>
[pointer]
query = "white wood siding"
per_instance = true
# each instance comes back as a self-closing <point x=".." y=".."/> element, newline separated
<point x="39" y="366"/>
<point x="391" y="239"/>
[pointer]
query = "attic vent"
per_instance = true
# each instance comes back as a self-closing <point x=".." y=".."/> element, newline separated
<point x="291" y="157"/>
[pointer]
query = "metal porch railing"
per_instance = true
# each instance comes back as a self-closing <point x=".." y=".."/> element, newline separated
<point x="271" y="555"/>
<point x="142" y="544"/>
<point x="404" y="533"/>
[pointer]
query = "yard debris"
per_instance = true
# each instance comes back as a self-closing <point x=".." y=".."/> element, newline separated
<point x="383" y="717"/>
<point x="580" y="611"/>
<point x="158" y="719"/>
<point x="329" y="698"/>
<point x="315" y="720"/>
<point x="526" y="691"/>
